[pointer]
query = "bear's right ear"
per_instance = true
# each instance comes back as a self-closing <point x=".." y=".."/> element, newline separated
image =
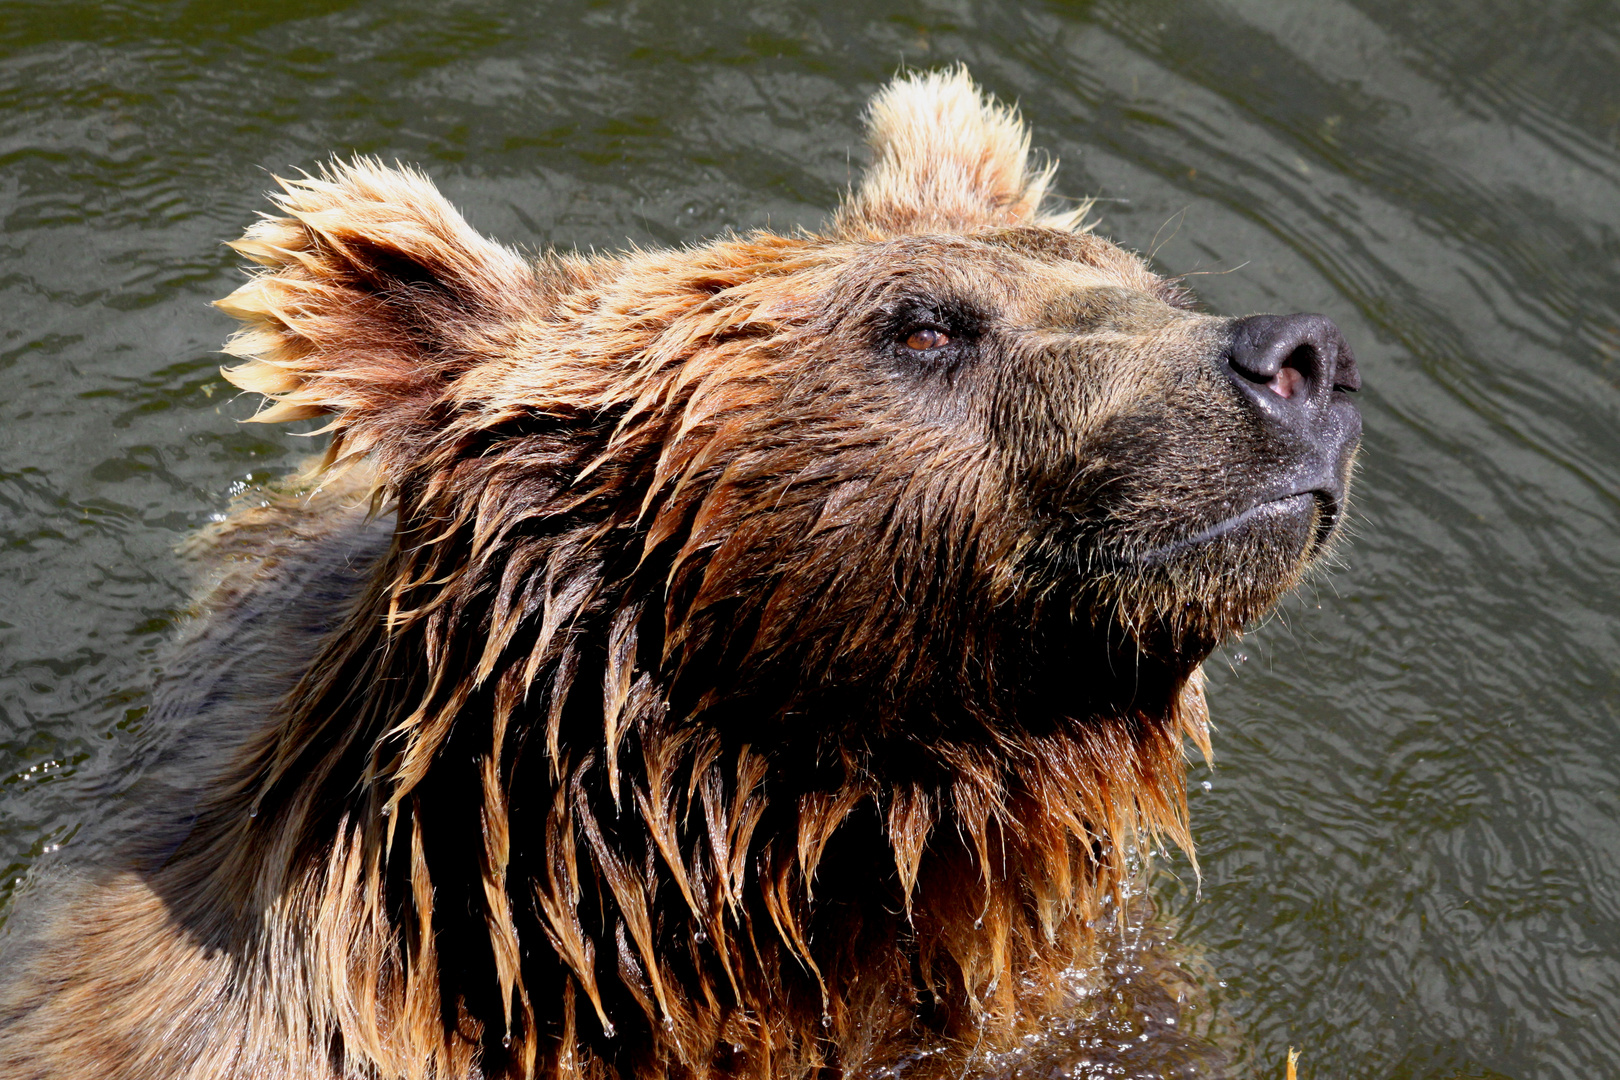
<point x="375" y="295"/>
<point x="948" y="159"/>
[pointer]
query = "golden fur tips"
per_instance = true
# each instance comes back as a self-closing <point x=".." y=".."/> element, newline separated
<point x="948" y="158"/>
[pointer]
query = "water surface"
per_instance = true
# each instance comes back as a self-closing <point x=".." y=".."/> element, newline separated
<point x="1411" y="838"/>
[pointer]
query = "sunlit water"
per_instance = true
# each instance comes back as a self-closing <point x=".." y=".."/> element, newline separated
<point x="1411" y="839"/>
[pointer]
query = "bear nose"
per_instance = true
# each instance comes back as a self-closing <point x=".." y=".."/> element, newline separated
<point x="1299" y="359"/>
<point x="1291" y="369"/>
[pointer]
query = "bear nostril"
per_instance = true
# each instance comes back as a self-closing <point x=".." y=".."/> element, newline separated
<point x="1286" y="383"/>
<point x="1294" y="377"/>
<point x="1296" y="357"/>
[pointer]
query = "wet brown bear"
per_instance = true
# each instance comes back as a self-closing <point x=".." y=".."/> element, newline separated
<point x="762" y="659"/>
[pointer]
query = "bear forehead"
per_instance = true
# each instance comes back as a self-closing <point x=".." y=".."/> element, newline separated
<point x="1029" y="276"/>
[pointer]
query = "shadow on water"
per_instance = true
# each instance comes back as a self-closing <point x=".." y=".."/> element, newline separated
<point x="1411" y="840"/>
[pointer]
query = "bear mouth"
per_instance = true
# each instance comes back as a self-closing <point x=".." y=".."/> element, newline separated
<point x="1286" y="513"/>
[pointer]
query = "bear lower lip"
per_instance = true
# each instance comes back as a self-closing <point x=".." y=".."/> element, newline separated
<point x="1299" y="505"/>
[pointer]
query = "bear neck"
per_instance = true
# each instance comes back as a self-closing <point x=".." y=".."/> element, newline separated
<point x="511" y="824"/>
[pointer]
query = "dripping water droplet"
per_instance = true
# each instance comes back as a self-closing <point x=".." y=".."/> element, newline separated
<point x="253" y="813"/>
<point x="826" y="1020"/>
<point x="506" y="1040"/>
<point x="701" y="937"/>
<point x="608" y="1030"/>
<point x="386" y="810"/>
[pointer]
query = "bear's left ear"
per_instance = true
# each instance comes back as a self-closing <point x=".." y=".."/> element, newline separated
<point x="375" y="296"/>
<point x="949" y="159"/>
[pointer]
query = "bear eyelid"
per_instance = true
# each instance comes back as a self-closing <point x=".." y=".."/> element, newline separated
<point x="957" y="318"/>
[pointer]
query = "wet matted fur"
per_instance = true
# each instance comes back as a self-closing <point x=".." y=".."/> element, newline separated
<point x="758" y="659"/>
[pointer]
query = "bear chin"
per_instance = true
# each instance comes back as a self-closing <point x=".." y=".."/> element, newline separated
<point x="1301" y="523"/>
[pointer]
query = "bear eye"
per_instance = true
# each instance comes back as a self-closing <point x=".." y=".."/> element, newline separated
<point x="927" y="337"/>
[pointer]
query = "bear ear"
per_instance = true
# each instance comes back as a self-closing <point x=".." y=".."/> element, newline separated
<point x="948" y="158"/>
<point x="374" y="296"/>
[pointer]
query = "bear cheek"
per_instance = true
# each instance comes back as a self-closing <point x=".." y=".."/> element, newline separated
<point x="1131" y="412"/>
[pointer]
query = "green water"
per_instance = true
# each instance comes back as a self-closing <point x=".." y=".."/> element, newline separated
<point x="1411" y="841"/>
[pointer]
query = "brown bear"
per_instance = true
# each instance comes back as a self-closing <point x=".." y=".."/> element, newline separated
<point x="758" y="659"/>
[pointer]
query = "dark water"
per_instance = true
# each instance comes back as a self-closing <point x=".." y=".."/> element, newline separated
<point x="1411" y="847"/>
